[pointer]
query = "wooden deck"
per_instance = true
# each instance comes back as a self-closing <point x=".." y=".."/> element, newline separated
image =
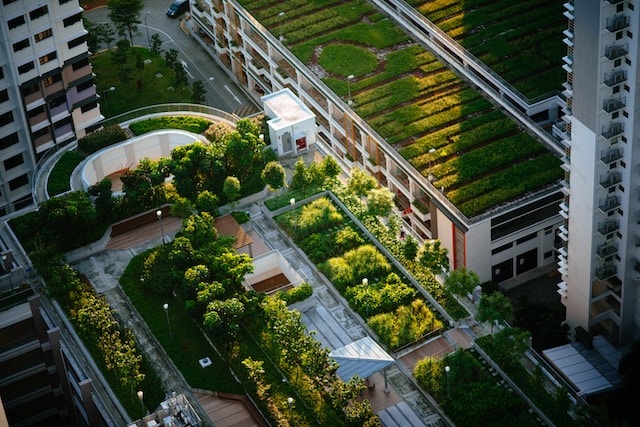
<point x="271" y="283"/>
<point x="229" y="411"/>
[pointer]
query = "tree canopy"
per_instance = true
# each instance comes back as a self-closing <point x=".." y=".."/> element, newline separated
<point x="125" y="15"/>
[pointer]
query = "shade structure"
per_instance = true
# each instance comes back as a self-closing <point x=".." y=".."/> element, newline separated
<point x="362" y="358"/>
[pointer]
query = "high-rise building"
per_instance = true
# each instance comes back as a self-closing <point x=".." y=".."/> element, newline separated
<point x="47" y="92"/>
<point x="600" y="258"/>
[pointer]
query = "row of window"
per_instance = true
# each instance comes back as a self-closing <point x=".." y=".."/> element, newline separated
<point x="23" y="44"/>
<point x="18" y="21"/>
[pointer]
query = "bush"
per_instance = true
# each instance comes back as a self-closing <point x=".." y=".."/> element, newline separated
<point x="101" y="138"/>
<point x="299" y="293"/>
<point x="318" y="215"/>
<point x="189" y="123"/>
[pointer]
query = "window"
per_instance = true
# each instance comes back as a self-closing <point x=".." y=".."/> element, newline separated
<point x="619" y="35"/>
<point x="72" y="20"/>
<point x="9" y="140"/>
<point x="25" y="68"/>
<point x="6" y="2"/>
<point x="61" y="2"/>
<point x="16" y="22"/>
<point x="13" y="162"/>
<point x="56" y="102"/>
<point x="548" y="254"/>
<point x="1" y="73"/>
<point x="48" y="81"/>
<point x="84" y="86"/>
<point x="18" y="182"/>
<point x="4" y="95"/>
<point x="76" y="42"/>
<point x="629" y="34"/>
<point x="616" y="89"/>
<point x="526" y="238"/>
<point x="6" y="118"/>
<point x="80" y="64"/>
<point x="35" y="112"/>
<point x="42" y="35"/>
<point x="39" y="12"/>
<point x="22" y="44"/>
<point x="48" y="57"/>
<point x="88" y="107"/>
<point x="42" y="132"/>
<point x="501" y="248"/>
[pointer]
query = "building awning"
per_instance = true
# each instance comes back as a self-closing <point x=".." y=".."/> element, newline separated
<point x="362" y="358"/>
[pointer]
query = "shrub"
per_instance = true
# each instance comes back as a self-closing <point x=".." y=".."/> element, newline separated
<point x="189" y="123"/>
<point x="317" y="216"/>
<point x="101" y="138"/>
<point x="299" y="293"/>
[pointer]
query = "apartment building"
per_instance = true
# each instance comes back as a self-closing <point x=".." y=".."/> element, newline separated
<point x="42" y="383"/>
<point x="47" y="92"/>
<point x="507" y="244"/>
<point x="600" y="257"/>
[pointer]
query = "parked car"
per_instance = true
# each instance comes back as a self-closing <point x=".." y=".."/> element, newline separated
<point x="178" y="8"/>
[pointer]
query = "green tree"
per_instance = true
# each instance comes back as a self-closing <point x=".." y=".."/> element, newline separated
<point x="119" y="56"/>
<point x="301" y="177"/>
<point x="434" y="257"/>
<point x="207" y="202"/>
<point x="125" y="15"/>
<point x="195" y="168"/>
<point x="360" y="182"/>
<point x="274" y="176"/>
<point x="180" y="75"/>
<point x="380" y="201"/>
<point x="410" y="248"/>
<point x="198" y="92"/>
<point x="231" y="188"/>
<point x="330" y="168"/>
<point x="171" y="58"/>
<point x="494" y="307"/>
<point x="461" y="281"/>
<point x="156" y="44"/>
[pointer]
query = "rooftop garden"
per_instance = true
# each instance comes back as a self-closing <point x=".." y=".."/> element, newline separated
<point x="478" y="157"/>
<point x="521" y="41"/>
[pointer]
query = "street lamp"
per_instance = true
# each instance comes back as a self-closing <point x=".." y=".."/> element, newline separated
<point x="141" y="396"/>
<point x="292" y="202"/>
<point x="147" y="27"/>
<point x="8" y="270"/>
<point x="159" y="215"/>
<point x="365" y="283"/>
<point x="166" y="312"/>
<point x="446" y="371"/>
<point x="104" y="95"/>
<point x="431" y="151"/>
<point x="280" y="15"/>
<point x="290" y="402"/>
<point x="349" y="78"/>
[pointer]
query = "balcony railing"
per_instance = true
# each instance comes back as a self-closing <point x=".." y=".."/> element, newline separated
<point x="608" y="227"/>
<point x="610" y="179"/>
<point x="614" y="52"/>
<point x="609" y="203"/>
<point x="617" y="23"/>
<point x="606" y="250"/>
<point x="614" y="129"/>
<point x="613" y="104"/>
<point x="611" y="156"/>
<point x="615" y="78"/>
<point x="606" y="271"/>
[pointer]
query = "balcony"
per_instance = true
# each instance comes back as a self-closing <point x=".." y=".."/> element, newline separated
<point x="606" y="271"/>
<point x="614" y="52"/>
<point x="611" y="156"/>
<point x="613" y="104"/>
<point x="609" y="204"/>
<point x="606" y="250"/>
<point x="608" y="227"/>
<point x="614" y="129"/>
<point x="614" y="1"/>
<point x="617" y="23"/>
<point x="615" y="78"/>
<point x="610" y="179"/>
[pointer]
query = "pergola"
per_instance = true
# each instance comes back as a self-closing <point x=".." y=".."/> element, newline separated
<point x="362" y="358"/>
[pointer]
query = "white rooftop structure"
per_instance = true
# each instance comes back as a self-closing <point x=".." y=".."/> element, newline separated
<point x="362" y="358"/>
<point x="290" y="121"/>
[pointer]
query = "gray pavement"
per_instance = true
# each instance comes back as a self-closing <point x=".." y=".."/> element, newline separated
<point x="222" y="91"/>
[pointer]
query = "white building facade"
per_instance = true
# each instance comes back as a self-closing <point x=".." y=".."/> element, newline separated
<point x="599" y="260"/>
<point x="47" y="92"/>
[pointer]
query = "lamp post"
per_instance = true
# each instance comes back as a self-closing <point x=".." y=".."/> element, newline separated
<point x="292" y="202"/>
<point x="290" y="402"/>
<point x="349" y="78"/>
<point x="104" y="95"/>
<point x="159" y="215"/>
<point x="8" y="270"/>
<point x="141" y="396"/>
<point x="365" y="283"/>
<point x="446" y="371"/>
<point x="147" y="27"/>
<point x="280" y="15"/>
<point x="431" y="151"/>
<point x="166" y="312"/>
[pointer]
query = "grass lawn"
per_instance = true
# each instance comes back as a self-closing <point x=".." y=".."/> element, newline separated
<point x="135" y="88"/>
<point x="58" y="181"/>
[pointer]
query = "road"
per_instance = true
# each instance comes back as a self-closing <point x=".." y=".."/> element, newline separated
<point x="222" y="92"/>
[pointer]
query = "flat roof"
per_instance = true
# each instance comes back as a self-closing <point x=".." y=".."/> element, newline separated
<point x="577" y="369"/>
<point x="362" y="358"/>
<point x="287" y="107"/>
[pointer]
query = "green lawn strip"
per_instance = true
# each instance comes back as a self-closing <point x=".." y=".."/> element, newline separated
<point x="189" y="123"/>
<point x="347" y="59"/>
<point x="380" y="34"/>
<point x="505" y="185"/>
<point x="486" y="158"/>
<point x="59" y="178"/>
<point x="188" y="344"/>
<point x="128" y="95"/>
